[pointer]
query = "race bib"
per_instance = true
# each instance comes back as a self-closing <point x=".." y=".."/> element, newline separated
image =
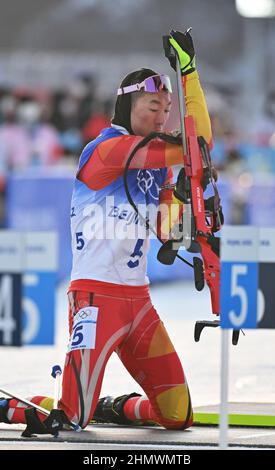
<point x="84" y="329"/>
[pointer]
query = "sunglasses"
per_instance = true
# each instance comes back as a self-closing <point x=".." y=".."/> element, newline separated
<point x="152" y="84"/>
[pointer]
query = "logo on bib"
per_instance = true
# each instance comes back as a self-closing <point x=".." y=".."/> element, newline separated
<point x="84" y="314"/>
<point x="147" y="184"/>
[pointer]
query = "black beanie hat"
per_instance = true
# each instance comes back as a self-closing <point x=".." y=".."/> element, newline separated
<point x="122" y="116"/>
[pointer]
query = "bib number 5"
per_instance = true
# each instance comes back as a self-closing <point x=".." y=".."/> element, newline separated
<point x="77" y="336"/>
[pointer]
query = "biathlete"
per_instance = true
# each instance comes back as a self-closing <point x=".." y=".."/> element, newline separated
<point x="109" y="301"/>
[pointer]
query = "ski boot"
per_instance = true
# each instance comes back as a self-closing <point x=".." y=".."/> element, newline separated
<point x="110" y="410"/>
<point x="55" y="422"/>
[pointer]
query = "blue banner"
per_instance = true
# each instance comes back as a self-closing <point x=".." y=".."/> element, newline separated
<point x="38" y="305"/>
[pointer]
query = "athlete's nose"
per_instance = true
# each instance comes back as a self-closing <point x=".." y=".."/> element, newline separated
<point x="161" y="119"/>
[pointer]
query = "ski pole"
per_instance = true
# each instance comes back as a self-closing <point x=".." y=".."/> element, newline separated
<point x="25" y="401"/>
<point x="181" y="105"/>
<point x="56" y="374"/>
<point x="187" y="213"/>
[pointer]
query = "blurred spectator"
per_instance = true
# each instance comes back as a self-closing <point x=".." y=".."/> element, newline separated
<point x="234" y="163"/>
<point x="24" y="139"/>
<point x="65" y="112"/>
<point x="100" y="118"/>
<point x="71" y="110"/>
<point x="87" y="85"/>
<point x="234" y="160"/>
<point x="74" y="105"/>
<point x="72" y="144"/>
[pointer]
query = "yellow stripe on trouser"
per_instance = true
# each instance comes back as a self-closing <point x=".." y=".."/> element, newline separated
<point x="172" y="403"/>
<point x="47" y="403"/>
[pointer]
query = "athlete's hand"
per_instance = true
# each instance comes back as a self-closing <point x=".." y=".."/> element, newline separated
<point x="182" y="43"/>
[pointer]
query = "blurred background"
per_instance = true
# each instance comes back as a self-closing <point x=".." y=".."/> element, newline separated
<point x="60" y="64"/>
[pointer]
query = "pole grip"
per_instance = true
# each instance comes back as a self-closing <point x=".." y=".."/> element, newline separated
<point x="56" y="370"/>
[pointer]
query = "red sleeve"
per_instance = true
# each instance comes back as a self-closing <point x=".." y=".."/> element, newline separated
<point x="108" y="160"/>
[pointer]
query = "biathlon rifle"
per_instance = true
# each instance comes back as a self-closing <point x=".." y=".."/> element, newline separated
<point x="201" y="218"/>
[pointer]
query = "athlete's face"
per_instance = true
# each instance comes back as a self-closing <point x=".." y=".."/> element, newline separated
<point x="150" y="112"/>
